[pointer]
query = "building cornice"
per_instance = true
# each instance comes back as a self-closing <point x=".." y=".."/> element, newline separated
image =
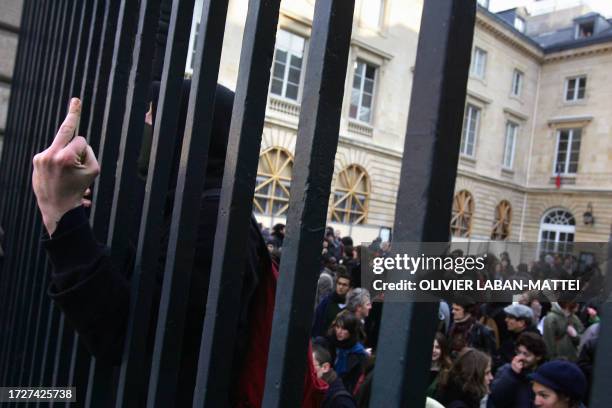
<point x="535" y="189"/>
<point x="578" y="52"/>
<point x="494" y="27"/>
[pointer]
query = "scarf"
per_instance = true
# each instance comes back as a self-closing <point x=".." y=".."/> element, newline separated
<point x="342" y="354"/>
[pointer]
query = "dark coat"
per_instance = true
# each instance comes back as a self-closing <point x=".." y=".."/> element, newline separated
<point x="337" y="396"/>
<point x="510" y="390"/>
<point x="325" y="314"/>
<point x="93" y="291"/>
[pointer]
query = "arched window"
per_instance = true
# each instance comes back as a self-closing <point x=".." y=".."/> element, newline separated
<point x="351" y="196"/>
<point x="273" y="182"/>
<point x="503" y="218"/>
<point x="557" y="231"/>
<point x="463" y="210"/>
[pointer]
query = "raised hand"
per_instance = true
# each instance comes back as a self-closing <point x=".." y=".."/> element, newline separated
<point x="64" y="171"/>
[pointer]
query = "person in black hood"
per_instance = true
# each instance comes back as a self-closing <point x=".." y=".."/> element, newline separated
<point x="92" y="291"/>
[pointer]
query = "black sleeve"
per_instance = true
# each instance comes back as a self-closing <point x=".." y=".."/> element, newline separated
<point x="92" y="293"/>
<point x="504" y="388"/>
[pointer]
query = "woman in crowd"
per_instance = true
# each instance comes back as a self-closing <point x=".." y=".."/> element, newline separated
<point x="344" y="341"/>
<point x="467" y="382"/>
<point x="558" y="384"/>
<point x="440" y="363"/>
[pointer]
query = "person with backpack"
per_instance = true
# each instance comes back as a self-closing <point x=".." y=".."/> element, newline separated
<point x="467" y="332"/>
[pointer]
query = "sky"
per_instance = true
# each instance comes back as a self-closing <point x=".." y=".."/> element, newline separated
<point x="604" y="7"/>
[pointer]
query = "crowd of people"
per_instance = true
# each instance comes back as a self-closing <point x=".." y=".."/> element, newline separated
<point x="528" y="353"/>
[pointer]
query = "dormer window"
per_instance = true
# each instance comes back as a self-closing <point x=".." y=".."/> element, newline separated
<point x="585" y="30"/>
<point x="519" y="24"/>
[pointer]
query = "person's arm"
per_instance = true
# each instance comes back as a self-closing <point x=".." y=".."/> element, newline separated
<point x="90" y="291"/>
<point x="504" y="387"/>
<point x="84" y="284"/>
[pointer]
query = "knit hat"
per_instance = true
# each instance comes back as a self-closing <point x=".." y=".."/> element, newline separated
<point x="563" y="377"/>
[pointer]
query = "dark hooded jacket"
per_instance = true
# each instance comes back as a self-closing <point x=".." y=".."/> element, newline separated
<point x="93" y="291"/>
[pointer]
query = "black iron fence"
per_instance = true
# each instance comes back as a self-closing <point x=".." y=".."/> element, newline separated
<point x="104" y="51"/>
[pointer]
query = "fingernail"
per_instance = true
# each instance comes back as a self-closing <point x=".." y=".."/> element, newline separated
<point x="75" y="103"/>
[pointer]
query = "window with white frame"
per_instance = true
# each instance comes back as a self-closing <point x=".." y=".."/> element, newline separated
<point x="287" y="67"/>
<point x="585" y="29"/>
<point x="575" y="88"/>
<point x="517" y="82"/>
<point x="362" y="95"/>
<point x="479" y="63"/>
<point x="372" y="13"/>
<point x="470" y="130"/>
<point x="557" y="231"/>
<point x="510" y="145"/>
<point x="568" y="151"/>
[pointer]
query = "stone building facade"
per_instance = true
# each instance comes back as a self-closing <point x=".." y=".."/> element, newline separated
<point x="517" y="110"/>
<point x="536" y="152"/>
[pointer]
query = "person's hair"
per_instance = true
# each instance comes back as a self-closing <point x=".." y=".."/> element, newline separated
<point x="278" y="228"/>
<point x="355" y="298"/>
<point x="349" y="322"/>
<point x="347" y="241"/>
<point x="468" y="373"/>
<point x="322" y="355"/>
<point x="348" y="251"/>
<point x="342" y="273"/>
<point x="444" y="361"/>
<point x="532" y="342"/>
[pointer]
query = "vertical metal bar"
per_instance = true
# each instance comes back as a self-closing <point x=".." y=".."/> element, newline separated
<point x="105" y="59"/>
<point x="23" y="90"/>
<point x="11" y="143"/>
<point x="133" y="112"/>
<point x="72" y="80"/>
<point x="54" y="104"/>
<point x="9" y="150"/>
<point x="15" y="226"/>
<point x="602" y="379"/>
<point x="146" y="262"/>
<point x="317" y="141"/>
<point x="16" y="91"/>
<point x="43" y="126"/>
<point x="57" y="99"/>
<point x="424" y="201"/>
<point x="187" y="204"/>
<point x="114" y="116"/>
<point x="80" y="358"/>
<point x="133" y="124"/>
<point x="40" y="130"/>
<point x="222" y="309"/>
<point x="34" y="297"/>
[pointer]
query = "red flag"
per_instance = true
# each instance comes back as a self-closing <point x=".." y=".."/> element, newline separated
<point x="558" y="178"/>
